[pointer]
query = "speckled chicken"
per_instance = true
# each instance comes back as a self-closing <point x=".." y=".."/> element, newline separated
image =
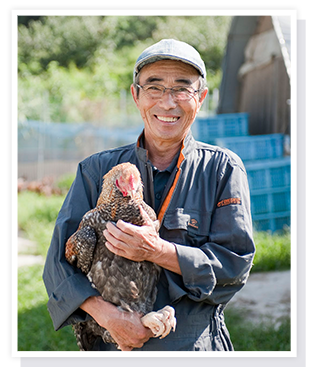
<point x="128" y="284"/>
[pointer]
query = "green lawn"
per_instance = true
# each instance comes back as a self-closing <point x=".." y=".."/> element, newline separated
<point x="273" y="251"/>
<point x="35" y="329"/>
<point x="36" y="217"/>
<point x="246" y="336"/>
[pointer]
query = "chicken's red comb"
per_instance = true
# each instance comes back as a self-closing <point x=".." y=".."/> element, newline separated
<point x="132" y="181"/>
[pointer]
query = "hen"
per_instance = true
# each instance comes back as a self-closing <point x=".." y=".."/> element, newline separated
<point x="128" y="284"/>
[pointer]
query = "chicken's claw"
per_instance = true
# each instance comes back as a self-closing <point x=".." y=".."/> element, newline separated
<point x="160" y="322"/>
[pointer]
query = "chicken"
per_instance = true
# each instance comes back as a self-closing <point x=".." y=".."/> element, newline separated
<point x="129" y="285"/>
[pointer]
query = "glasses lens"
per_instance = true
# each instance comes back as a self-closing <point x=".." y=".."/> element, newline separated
<point x="182" y="93"/>
<point x="179" y="93"/>
<point x="154" y="91"/>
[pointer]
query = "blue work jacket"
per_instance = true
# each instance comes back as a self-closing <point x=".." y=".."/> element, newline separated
<point x="205" y="212"/>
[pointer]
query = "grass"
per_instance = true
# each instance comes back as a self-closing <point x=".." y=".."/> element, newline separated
<point x="36" y="333"/>
<point x="36" y="218"/>
<point x="273" y="251"/>
<point x="35" y="329"/>
<point x="247" y="336"/>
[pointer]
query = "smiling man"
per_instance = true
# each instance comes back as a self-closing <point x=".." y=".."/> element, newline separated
<point x="205" y="248"/>
<point x="168" y="100"/>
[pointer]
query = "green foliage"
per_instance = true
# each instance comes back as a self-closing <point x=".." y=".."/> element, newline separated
<point x="58" y="38"/>
<point x="65" y="181"/>
<point x="273" y="251"/>
<point x="27" y="19"/>
<point x="207" y="34"/>
<point x="76" y="67"/>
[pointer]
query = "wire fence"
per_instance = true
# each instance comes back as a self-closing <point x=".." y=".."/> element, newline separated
<point x="53" y="149"/>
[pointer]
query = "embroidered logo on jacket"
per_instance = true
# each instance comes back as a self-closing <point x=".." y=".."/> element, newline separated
<point x="229" y="201"/>
<point x="193" y="223"/>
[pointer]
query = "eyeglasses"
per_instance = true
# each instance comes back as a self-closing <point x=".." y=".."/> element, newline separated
<point x="179" y="93"/>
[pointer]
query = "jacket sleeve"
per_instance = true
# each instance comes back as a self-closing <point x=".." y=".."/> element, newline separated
<point x="68" y="287"/>
<point x="215" y="269"/>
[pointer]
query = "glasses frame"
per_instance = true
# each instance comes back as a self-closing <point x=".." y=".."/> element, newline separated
<point x="193" y="91"/>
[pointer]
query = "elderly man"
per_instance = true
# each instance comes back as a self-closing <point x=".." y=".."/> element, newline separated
<point x="201" y="196"/>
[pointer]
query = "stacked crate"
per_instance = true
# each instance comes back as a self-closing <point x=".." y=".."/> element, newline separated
<point x="222" y="126"/>
<point x="268" y="170"/>
<point x="269" y="182"/>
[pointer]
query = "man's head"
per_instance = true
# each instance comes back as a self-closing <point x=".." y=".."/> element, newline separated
<point x="170" y="49"/>
<point x="169" y="88"/>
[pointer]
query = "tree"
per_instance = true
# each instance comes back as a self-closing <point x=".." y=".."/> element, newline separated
<point x="82" y="62"/>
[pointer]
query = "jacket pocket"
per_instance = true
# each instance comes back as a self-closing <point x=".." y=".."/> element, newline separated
<point x="189" y="227"/>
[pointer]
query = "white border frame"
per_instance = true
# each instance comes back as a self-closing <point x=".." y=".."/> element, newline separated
<point x="205" y="12"/>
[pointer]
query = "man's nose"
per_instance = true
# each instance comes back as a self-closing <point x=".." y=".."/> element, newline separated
<point x="167" y="100"/>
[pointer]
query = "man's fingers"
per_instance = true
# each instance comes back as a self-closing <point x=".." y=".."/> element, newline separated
<point x="145" y="215"/>
<point x="148" y="221"/>
<point x="121" y="231"/>
<point x="111" y="229"/>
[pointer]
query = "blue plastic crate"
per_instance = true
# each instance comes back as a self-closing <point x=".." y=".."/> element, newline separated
<point x="275" y="200"/>
<point x="272" y="222"/>
<point x="254" y="147"/>
<point x="229" y="124"/>
<point x="269" y="173"/>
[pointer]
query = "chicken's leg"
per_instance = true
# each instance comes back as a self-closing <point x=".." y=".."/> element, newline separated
<point x="160" y="322"/>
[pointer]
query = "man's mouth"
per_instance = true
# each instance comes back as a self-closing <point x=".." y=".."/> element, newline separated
<point x="167" y="119"/>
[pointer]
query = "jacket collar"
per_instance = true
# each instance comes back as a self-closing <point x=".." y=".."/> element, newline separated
<point x="188" y="146"/>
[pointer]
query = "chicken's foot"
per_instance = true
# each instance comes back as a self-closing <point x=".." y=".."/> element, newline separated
<point x="160" y="322"/>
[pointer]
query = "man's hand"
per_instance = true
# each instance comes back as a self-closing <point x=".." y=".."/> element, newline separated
<point x="125" y="327"/>
<point x="139" y="243"/>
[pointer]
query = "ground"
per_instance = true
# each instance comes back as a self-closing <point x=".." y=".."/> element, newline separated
<point x="265" y="296"/>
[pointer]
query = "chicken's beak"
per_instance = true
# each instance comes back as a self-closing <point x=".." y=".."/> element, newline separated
<point x="134" y="194"/>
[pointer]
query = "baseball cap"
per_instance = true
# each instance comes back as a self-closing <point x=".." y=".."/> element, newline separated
<point x="170" y="49"/>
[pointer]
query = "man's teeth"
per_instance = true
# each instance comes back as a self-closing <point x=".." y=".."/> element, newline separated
<point x="167" y="119"/>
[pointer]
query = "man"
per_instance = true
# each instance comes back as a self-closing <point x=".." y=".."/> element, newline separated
<point x="201" y="196"/>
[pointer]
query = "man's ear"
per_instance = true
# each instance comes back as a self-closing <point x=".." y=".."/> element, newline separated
<point x="133" y="90"/>
<point x="203" y="95"/>
<point x="202" y="98"/>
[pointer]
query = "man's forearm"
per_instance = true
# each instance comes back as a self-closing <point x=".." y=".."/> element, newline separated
<point x="125" y="327"/>
<point x="98" y="308"/>
<point x="166" y="257"/>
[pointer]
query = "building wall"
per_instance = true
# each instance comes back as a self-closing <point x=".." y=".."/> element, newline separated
<point x="242" y="28"/>
<point x="265" y="95"/>
<point x="262" y="90"/>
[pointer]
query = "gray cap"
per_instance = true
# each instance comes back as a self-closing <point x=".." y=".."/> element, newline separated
<point x="170" y="49"/>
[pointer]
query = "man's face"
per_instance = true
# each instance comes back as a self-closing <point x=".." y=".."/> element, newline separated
<point x="166" y="119"/>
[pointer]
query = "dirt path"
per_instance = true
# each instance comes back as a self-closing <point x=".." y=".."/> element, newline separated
<point x="265" y="296"/>
<point x="25" y="258"/>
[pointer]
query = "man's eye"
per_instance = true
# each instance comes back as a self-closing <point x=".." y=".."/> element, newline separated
<point x="181" y="89"/>
<point x="153" y="88"/>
